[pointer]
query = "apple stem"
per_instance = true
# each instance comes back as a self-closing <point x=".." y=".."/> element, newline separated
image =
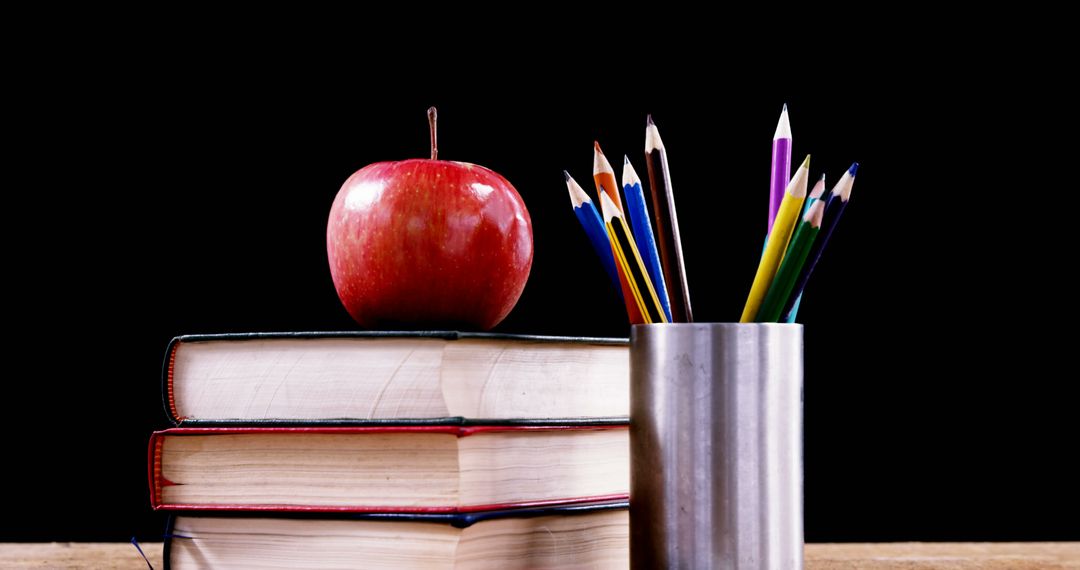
<point x="432" y="116"/>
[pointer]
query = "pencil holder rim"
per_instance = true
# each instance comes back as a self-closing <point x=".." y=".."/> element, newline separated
<point x="644" y="326"/>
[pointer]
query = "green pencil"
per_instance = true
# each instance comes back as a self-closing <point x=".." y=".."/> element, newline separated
<point x="796" y="255"/>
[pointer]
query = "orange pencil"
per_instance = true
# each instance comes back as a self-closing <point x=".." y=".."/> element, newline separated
<point x="604" y="176"/>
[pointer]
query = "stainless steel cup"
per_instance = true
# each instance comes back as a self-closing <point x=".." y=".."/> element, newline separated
<point x="716" y="446"/>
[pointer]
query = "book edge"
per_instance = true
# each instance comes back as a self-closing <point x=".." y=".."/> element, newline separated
<point x="460" y="431"/>
<point x="156" y="479"/>
<point x="388" y="509"/>
<point x="168" y="367"/>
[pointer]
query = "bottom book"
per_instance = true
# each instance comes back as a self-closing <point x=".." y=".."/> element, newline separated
<point x="580" y="536"/>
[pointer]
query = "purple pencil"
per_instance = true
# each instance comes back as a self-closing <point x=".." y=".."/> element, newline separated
<point x="781" y="165"/>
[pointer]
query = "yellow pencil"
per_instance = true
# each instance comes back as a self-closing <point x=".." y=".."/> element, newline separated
<point x="628" y="260"/>
<point x="790" y="208"/>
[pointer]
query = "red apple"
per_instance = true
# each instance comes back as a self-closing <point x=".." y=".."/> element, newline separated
<point x="428" y="244"/>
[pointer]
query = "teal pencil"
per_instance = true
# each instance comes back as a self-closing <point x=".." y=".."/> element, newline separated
<point x="815" y="195"/>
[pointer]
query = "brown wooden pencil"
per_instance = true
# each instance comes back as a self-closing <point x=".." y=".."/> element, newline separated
<point x="667" y="225"/>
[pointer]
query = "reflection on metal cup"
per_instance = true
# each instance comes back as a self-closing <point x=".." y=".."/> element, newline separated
<point x="716" y="446"/>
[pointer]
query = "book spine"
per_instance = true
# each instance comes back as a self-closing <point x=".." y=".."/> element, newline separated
<point x="153" y="471"/>
<point x="167" y="368"/>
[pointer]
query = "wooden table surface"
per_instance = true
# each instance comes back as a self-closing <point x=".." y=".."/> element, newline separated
<point x="888" y="556"/>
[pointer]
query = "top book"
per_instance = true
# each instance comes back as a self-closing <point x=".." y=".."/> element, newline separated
<point x="391" y="377"/>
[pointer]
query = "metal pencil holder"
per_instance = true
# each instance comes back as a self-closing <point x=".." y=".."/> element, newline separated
<point x="716" y="446"/>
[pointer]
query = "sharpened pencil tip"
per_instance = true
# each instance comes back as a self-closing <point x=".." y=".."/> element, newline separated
<point x="577" y="195"/>
<point x="600" y="162"/>
<point x="629" y="175"/>
<point x="815" y="213"/>
<point x="652" y="137"/>
<point x="819" y="189"/>
<point x="783" y="126"/>
<point x="844" y="185"/>
<point x="806" y="162"/>
<point x="607" y="208"/>
<point x="648" y="119"/>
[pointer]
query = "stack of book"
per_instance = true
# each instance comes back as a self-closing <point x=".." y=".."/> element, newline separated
<point x="395" y="450"/>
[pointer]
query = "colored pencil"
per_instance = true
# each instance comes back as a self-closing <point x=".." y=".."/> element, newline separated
<point x="815" y="195"/>
<point x="604" y="176"/>
<point x="781" y="165"/>
<point x="642" y="295"/>
<point x="780" y="289"/>
<point x="667" y="225"/>
<point x="643" y="234"/>
<point x="834" y="208"/>
<point x="594" y="228"/>
<point x="786" y="216"/>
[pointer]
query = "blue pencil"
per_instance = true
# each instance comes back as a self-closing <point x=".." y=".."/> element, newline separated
<point x="594" y="228"/>
<point x="834" y="208"/>
<point x="642" y="229"/>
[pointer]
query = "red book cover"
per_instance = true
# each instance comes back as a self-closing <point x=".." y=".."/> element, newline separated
<point x="554" y="457"/>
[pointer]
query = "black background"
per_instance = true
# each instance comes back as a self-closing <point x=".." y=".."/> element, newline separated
<point x="190" y="195"/>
